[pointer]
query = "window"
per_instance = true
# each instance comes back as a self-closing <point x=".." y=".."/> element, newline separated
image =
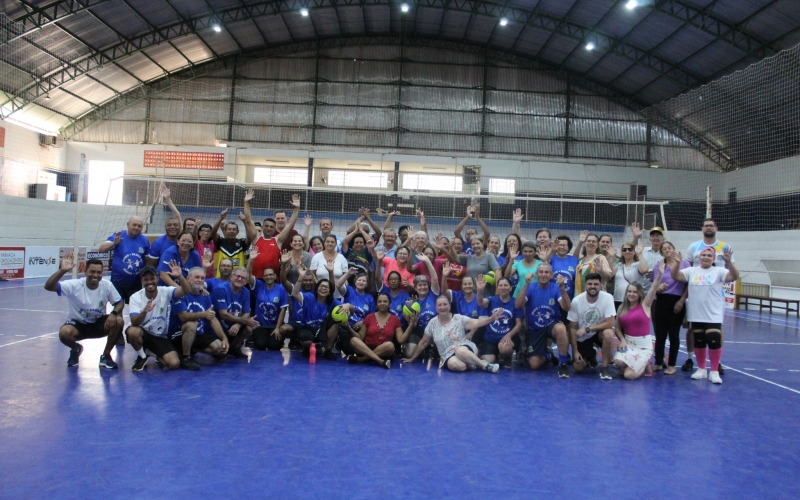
<point x="451" y="183"/>
<point x="502" y="186"/>
<point x="358" y="179"/>
<point x="269" y="175"/>
<point x="105" y="182"/>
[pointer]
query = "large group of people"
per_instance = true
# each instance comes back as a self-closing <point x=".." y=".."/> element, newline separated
<point x="379" y="293"/>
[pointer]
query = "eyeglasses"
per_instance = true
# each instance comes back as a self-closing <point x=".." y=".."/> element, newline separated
<point x="240" y="277"/>
<point x="627" y="249"/>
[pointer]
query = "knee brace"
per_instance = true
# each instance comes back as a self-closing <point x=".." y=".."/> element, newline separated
<point x="714" y="339"/>
<point x="699" y="338"/>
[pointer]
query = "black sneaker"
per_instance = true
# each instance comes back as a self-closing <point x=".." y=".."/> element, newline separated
<point x="239" y="354"/>
<point x="593" y="362"/>
<point x="507" y="363"/>
<point x="721" y="370"/>
<point x="188" y="363"/>
<point x="74" y="355"/>
<point x="604" y="375"/>
<point x="107" y="362"/>
<point x="688" y="365"/>
<point x="352" y="359"/>
<point x="553" y="358"/>
<point x="295" y="345"/>
<point x="329" y="355"/>
<point x="138" y="365"/>
<point x="562" y="371"/>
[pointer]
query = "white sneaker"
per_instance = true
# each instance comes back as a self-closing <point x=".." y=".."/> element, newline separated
<point x="701" y="374"/>
<point x="491" y="367"/>
<point x="714" y="377"/>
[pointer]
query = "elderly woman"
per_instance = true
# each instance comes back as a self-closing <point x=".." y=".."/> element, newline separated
<point x="448" y="333"/>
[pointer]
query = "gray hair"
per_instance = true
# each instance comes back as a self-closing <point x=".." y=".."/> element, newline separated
<point x="240" y="268"/>
<point x="420" y="278"/>
<point x="389" y="230"/>
<point x="197" y="269"/>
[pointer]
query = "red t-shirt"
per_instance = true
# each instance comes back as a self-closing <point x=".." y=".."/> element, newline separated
<point x="375" y="334"/>
<point x="269" y="256"/>
<point x="456" y="274"/>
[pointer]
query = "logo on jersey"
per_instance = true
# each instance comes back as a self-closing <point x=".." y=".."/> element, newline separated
<point x="132" y="262"/>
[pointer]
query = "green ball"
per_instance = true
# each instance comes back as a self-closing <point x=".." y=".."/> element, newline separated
<point x="489" y="278"/>
<point x="340" y="314"/>
<point x="410" y="307"/>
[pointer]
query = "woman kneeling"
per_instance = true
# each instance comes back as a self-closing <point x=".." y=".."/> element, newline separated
<point x="633" y="329"/>
<point x="448" y="332"/>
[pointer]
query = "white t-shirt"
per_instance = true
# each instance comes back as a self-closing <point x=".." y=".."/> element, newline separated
<point x="157" y="321"/>
<point x="86" y="306"/>
<point x="626" y="276"/>
<point x="339" y="268"/>
<point x="705" y="303"/>
<point x="586" y="314"/>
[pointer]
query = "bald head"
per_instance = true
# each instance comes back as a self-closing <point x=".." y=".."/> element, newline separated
<point x="135" y="226"/>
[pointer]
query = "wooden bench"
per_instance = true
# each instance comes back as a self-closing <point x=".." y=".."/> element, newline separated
<point x="769" y="303"/>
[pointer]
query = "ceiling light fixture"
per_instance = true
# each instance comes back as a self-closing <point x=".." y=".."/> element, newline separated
<point x="304" y="12"/>
<point x="404" y="7"/>
<point x="503" y="21"/>
<point x="590" y="46"/>
<point x="632" y="4"/>
<point x="216" y="28"/>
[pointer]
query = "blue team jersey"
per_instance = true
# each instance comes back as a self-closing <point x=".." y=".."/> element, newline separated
<point x="427" y="309"/>
<point x="396" y="303"/>
<point x="159" y="246"/>
<point x="564" y="266"/>
<point x="469" y="309"/>
<point x="173" y="254"/>
<point x="363" y="303"/>
<point x="314" y="313"/>
<point x="499" y="328"/>
<point x="297" y="310"/>
<point x="237" y="304"/>
<point x="214" y="283"/>
<point x="128" y="258"/>
<point x="191" y="304"/>
<point x="542" y="308"/>
<point x="269" y="303"/>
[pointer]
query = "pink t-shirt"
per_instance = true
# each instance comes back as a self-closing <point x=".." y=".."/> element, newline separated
<point x="207" y="249"/>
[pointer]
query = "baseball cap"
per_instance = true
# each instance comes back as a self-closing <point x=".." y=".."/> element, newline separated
<point x="656" y="230"/>
<point x="148" y="270"/>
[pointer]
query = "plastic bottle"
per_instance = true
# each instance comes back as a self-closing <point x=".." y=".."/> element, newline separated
<point x="312" y="357"/>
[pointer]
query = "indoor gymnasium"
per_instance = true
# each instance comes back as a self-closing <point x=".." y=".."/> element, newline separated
<point x="386" y="249"/>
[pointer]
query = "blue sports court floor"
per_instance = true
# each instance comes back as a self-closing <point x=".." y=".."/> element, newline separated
<point x="281" y="428"/>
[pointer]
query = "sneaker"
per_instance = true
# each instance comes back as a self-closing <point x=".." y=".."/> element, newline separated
<point x="107" y="362"/>
<point x="688" y="365"/>
<point x="352" y="359"/>
<point x="713" y="377"/>
<point x="188" y="363"/>
<point x="329" y="355"/>
<point x="74" y="355"/>
<point x="562" y="371"/>
<point x="554" y="358"/>
<point x="700" y="374"/>
<point x="387" y="364"/>
<point x="491" y="367"/>
<point x="307" y="351"/>
<point x="721" y="370"/>
<point x="239" y="354"/>
<point x="507" y="363"/>
<point x="139" y="364"/>
<point x="593" y="362"/>
<point x="604" y="375"/>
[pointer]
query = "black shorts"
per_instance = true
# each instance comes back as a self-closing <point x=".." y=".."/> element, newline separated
<point x="416" y="335"/>
<point x="490" y="348"/>
<point x="96" y="330"/>
<point x="586" y="348"/>
<point x="201" y="342"/>
<point x="125" y="291"/>
<point x="344" y="341"/>
<point x="705" y="326"/>
<point x="537" y="340"/>
<point x="444" y="361"/>
<point x="160" y="346"/>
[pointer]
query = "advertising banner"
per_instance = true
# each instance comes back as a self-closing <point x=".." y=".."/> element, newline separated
<point x="41" y="262"/>
<point x="95" y="253"/>
<point x="80" y="259"/>
<point x="12" y="262"/>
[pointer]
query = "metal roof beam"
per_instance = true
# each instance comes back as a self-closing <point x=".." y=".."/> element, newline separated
<point x="271" y="7"/>
<point x="45" y="15"/>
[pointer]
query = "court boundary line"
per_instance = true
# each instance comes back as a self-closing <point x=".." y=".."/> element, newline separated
<point x="728" y="367"/>
<point x="25" y="340"/>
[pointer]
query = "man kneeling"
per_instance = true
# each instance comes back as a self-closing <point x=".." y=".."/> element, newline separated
<point x="150" y="316"/>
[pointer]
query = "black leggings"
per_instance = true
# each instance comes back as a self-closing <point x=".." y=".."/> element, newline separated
<point x="667" y="322"/>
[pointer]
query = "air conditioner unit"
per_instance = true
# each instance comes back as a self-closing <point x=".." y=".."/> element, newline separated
<point x="50" y="141"/>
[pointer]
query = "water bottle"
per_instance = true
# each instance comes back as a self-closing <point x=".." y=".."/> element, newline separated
<point x="312" y="356"/>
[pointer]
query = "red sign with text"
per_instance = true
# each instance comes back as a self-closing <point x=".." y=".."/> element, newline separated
<point x="12" y="262"/>
<point x="184" y="160"/>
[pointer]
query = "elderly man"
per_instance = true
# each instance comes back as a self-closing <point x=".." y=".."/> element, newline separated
<point x="129" y="246"/>
<point x="193" y="323"/>
<point x="172" y="228"/>
<point x="232" y="303"/>
<point x="87" y="319"/>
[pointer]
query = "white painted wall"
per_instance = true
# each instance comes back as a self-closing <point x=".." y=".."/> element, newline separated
<point x="779" y="176"/>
